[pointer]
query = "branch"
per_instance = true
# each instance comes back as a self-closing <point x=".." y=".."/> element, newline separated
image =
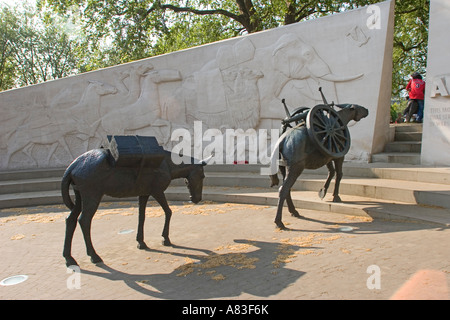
<point x="246" y="8"/>
<point x="158" y="5"/>
<point x="407" y="11"/>
<point x="404" y="48"/>
<point x="300" y="14"/>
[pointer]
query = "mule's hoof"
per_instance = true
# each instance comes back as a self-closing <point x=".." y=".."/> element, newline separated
<point x="296" y="214"/>
<point x="142" y="245"/>
<point x="96" y="259"/>
<point x="322" y="193"/>
<point x="71" y="262"/>
<point x="337" y="199"/>
<point x="280" y="225"/>
<point x="166" y="243"/>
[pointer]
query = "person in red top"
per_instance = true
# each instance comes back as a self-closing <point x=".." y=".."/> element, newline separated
<point x="416" y="89"/>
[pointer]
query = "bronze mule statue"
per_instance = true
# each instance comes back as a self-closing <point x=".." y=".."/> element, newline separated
<point x="94" y="174"/>
<point x="299" y="151"/>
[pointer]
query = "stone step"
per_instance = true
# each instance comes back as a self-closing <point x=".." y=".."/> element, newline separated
<point x="403" y="146"/>
<point x="49" y="197"/>
<point x="412" y="173"/>
<point x="31" y="174"/>
<point x="397" y="157"/>
<point x="354" y="169"/>
<point x="395" y="171"/>
<point x="408" y="136"/>
<point x="406" y="147"/>
<point x="403" y="191"/>
<point x="408" y="127"/>
<point x="30" y="185"/>
<point x="25" y="199"/>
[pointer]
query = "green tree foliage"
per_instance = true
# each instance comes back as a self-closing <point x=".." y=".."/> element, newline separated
<point x="8" y="23"/>
<point x="118" y="31"/>
<point x="32" y="52"/>
<point x="134" y="30"/>
<point x="410" y="42"/>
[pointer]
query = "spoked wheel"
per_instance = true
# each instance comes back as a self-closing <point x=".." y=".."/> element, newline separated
<point x="327" y="131"/>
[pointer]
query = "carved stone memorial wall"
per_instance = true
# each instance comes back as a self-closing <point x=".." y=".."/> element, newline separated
<point x="232" y="84"/>
<point x="436" y="125"/>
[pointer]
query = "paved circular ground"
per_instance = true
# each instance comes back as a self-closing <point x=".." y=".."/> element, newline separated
<point x="221" y="251"/>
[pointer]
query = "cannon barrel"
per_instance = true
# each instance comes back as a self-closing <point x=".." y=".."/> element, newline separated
<point x="288" y="114"/>
<point x="323" y="96"/>
<point x="325" y="102"/>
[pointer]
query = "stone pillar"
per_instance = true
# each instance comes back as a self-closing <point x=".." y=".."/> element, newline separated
<point x="436" y="124"/>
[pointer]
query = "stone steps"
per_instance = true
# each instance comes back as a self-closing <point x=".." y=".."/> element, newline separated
<point x="29" y="185"/>
<point x="397" y="157"/>
<point x="387" y="189"/>
<point x="440" y="175"/>
<point x="406" y="146"/>
<point x="408" y="136"/>
<point x="378" y="190"/>
<point x="403" y="146"/>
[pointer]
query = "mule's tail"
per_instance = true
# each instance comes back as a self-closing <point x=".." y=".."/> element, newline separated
<point x="65" y="186"/>
<point x="275" y="155"/>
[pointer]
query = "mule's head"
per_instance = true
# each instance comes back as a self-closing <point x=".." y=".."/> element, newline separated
<point x="360" y="112"/>
<point x="194" y="182"/>
<point x="350" y="112"/>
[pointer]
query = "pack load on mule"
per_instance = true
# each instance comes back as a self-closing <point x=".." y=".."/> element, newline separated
<point x="320" y="137"/>
<point x="127" y="166"/>
<point x="324" y="125"/>
<point x="131" y="151"/>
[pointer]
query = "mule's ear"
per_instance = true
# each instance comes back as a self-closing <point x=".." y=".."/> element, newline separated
<point x="204" y="162"/>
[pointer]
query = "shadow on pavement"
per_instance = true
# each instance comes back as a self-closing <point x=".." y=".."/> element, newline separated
<point x="214" y="275"/>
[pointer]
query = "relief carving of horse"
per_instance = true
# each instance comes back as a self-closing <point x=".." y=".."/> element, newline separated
<point x="53" y="127"/>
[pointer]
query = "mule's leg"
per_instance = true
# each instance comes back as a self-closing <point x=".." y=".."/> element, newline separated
<point x="140" y="233"/>
<point x="161" y="199"/>
<point x="338" y="163"/>
<point x="90" y="206"/>
<point x="292" y="174"/>
<point x="71" y="224"/>
<point x="331" y="172"/>
<point x="289" y="201"/>
<point x="291" y="206"/>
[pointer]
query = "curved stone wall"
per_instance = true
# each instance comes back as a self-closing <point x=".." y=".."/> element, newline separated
<point x="233" y="84"/>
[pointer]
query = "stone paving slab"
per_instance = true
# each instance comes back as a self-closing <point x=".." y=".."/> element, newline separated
<point x="221" y="251"/>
